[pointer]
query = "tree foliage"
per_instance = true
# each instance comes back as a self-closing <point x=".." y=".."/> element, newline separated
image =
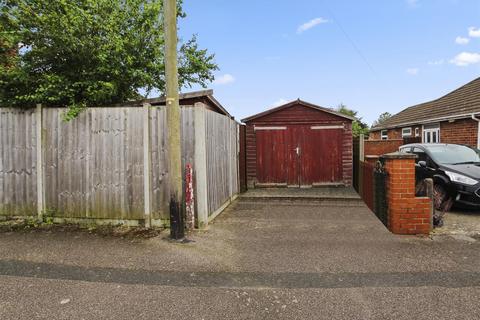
<point x="382" y="119"/>
<point x="80" y="53"/>
<point x="358" y="126"/>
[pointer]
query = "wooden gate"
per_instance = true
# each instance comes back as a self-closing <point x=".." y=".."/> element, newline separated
<point x="299" y="155"/>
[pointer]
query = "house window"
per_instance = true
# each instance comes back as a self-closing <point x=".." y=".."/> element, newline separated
<point x="431" y="133"/>
<point x="406" y="132"/>
<point x="384" y="135"/>
<point x="417" y="132"/>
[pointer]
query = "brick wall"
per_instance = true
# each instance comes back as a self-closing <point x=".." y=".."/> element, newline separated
<point x="379" y="147"/>
<point x="407" y="214"/>
<point x="463" y="131"/>
<point x="394" y="134"/>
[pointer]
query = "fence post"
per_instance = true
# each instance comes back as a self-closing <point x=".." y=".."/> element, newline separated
<point x="429" y="187"/>
<point x="39" y="164"/>
<point x="201" y="164"/>
<point x="362" y="147"/>
<point x="147" y="165"/>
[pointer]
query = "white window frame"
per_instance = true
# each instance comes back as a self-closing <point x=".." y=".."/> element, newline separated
<point x="417" y="132"/>
<point x="409" y="130"/>
<point x="384" y="136"/>
<point x="428" y="132"/>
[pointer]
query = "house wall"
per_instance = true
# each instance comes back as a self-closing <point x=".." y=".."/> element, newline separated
<point x="298" y="114"/>
<point x="463" y="131"/>
<point x="394" y="133"/>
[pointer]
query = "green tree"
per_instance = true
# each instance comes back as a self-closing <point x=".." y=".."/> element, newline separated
<point x="80" y="53"/>
<point x="382" y="119"/>
<point x="358" y="126"/>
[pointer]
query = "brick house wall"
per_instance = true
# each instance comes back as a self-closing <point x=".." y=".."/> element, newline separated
<point x="394" y="133"/>
<point x="463" y="131"/>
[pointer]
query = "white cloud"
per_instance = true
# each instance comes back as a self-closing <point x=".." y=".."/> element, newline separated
<point x="436" y="62"/>
<point x="279" y="103"/>
<point x="225" y="79"/>
<point x="413" y="71"/>
<point x="474" y="32"/>
<point x="413" y="3"/>
<point x="462" y="40"/>
<point x="310" y="24"/>
<point x="465" y="59"/>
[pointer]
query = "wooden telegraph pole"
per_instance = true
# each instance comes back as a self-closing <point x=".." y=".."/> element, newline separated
<point x="177" y="228"/>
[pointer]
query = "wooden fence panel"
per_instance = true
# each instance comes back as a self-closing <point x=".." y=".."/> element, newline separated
<point x="222" y="163"/>
<point x="18" y="172"/>
<point x="159" y="156"/>
<point x="94" y="164"/>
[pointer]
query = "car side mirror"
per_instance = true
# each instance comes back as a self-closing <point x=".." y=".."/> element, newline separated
<point x="422" y="164"/>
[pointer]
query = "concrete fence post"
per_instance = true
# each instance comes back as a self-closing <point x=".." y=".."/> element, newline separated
<point x="362" y="147"/>
<point x="39" y="163"/>
<point x="201" y="165"/>
<point x="147" y="166"/>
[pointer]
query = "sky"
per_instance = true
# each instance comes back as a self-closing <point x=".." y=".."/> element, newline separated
<point x="373" y="56"/>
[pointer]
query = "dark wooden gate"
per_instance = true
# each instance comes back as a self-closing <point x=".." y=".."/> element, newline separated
<point x="380" y="207"/>
<point x="298" y="155"/>
<point x="356" y="163"/>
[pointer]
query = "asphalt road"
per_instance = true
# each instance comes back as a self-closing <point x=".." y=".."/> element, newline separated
<point x="259" y="260"/>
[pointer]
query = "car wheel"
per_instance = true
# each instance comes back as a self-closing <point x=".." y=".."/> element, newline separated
<point x="442" y="200"/>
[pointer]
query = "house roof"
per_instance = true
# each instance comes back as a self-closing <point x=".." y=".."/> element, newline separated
<point x="297" y="102"/>
<point x="458" y="104"/>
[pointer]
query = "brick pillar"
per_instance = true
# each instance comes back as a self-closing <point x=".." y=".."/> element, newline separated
<point x="407" y="214"/>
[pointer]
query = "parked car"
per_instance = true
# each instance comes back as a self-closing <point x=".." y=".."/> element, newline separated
<point x="455" y="170"/>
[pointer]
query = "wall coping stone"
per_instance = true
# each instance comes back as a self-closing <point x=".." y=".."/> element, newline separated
<point x="399" y="155"/>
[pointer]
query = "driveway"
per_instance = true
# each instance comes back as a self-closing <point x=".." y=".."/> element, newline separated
<point x="461" y="223"/>
<point x="261" y="259"/>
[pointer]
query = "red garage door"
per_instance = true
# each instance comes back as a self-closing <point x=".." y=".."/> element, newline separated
<point x="299" y="155"/>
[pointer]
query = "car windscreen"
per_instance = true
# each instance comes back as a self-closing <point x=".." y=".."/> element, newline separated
<point x="453" y="154"/>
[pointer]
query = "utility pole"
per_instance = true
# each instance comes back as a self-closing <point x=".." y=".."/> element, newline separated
<point x="177" y="221"/>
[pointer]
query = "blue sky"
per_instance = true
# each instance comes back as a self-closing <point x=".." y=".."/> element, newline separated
<point x="373" y="55"/>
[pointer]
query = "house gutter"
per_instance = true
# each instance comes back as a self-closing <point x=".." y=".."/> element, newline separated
<point x="474" y="117"/>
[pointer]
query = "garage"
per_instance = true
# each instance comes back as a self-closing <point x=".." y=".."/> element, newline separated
<point x="298" y="144"/>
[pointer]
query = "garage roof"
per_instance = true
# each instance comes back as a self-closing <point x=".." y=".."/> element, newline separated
<point x="297" y="102"/>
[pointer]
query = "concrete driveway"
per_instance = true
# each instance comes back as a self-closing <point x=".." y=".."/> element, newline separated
<point x="261" y="259"/>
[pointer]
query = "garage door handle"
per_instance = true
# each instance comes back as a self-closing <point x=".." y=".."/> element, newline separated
<point x="297" y="149"/>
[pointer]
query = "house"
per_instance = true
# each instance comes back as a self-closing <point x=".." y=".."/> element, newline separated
<point x="453" y="118"/>
<point x="298" y="144"/>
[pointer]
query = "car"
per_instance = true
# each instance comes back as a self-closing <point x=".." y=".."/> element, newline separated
<point x="455" y="170"/>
